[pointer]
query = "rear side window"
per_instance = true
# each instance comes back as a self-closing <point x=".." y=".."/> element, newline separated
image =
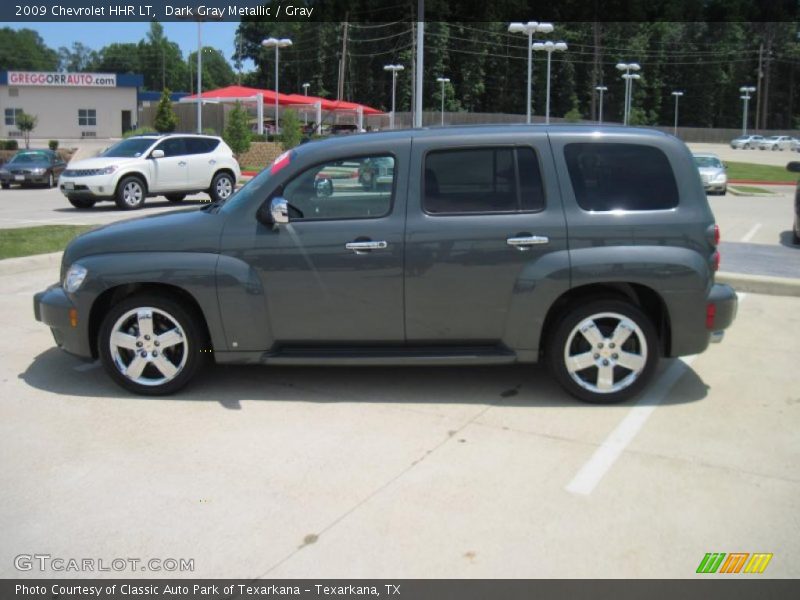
<point x="173" y="147"/>
<point x="200" y="145"/>
<point x="608" y="176"/>
<point x="482" y="180"/>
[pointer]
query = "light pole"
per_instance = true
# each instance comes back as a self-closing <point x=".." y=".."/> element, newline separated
<point x="277" y="44"/>
<point x="675" y="127"/>
<point x="529" y="29"/>
<point x="394" y="69"/>
<point x="549" y="47"/>
<point x="199" y="76"/>
<point x="627" y="67"/>
<point x="746" y="91"/>
<point x="443" y="81"/>
<point x="305" y="91"/>
<point x="601" y="89"/>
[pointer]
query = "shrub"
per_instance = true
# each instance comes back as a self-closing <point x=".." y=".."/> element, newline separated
<point x="53" y="145"/>
<point x="237" y="131"/>
<point x="10" y="145"/>
<point x="291" y="130"/>
<point x="166" y="120"/>
<point x="26" y="123"/>
<point x="573" y="116"/>
<point x="259" y="137"/>
<point x="138" y="131"/>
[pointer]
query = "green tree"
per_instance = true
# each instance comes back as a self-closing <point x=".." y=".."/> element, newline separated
<point x="217" y="72"/>
<point x="161" y="61"/>
<point x="237" y="131"/>
<point x="26" y="123"/>
<point x="117" y="58"/>
<point x="166" y="120"/>
<point x="25" y="50"/>
<point x="291" y="132"/>
<point x="77" y="58"/>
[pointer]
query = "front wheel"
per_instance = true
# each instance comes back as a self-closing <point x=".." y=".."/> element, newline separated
<point x="130" y="194"/>
<point x="81" y="202"/>
<point x="5" y="185"/>
<point x="150" y="345"/>
<point x="604" y="351"/>
<point x="175" y="198"/>
<point x="222" y="187"/>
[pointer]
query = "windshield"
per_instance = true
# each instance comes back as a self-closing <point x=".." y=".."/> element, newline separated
<point x="773" y="138"/>
<point x="130" y="148"/>
<point x="30" y="157"/>
<point x="707" y="161"/>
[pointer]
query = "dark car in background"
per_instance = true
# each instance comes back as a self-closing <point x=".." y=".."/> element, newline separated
<point x="32" y="167"/>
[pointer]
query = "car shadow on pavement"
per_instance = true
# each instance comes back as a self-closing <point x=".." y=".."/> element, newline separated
<point x="107" y="207"/>
<point x="55" y="372"/>
<point x="786" y="239"/>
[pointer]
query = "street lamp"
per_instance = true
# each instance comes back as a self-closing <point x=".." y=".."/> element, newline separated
<point x="675" y="127"/>
<point x="601" y="89"/>
<point x="443" y="81"/>
<point x="394" y="69"/>
<point x="277" y="44"/>
<point x="529" y="29"/>
<point x="628" y="77"/>
<point x="746" y="91"/>
<point x="199" y="76"/>
<point x="549" y="47"/>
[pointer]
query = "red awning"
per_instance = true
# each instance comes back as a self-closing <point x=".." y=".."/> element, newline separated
<point x="239" y="91"/>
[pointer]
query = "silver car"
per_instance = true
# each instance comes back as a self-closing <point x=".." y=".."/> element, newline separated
<point x="746" y="142"/>
<point x="776" y="142"/>
<point x="712" y="173"/>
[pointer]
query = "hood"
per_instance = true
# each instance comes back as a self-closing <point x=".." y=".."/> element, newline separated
<point x="99" y="162"/>
<point x="37" y="164"/>
<point x="710" y="170"/>
<point x="192" y="230"/>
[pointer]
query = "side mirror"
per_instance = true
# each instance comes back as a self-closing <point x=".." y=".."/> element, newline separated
<point x="794" y="167"/>
<point x="157" y="154"/>
<point x="323" y="187"/>
<point x="274" y="212"/>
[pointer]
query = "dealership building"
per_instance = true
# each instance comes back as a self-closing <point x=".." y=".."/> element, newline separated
<point x="69" y="105"/>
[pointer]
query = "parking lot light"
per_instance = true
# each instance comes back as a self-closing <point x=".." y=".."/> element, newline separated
<point x="628" y="77"/>
<point x="394" y="70"/>
<point x="277" y="44"/>
<point x="601" y="89"/>
<point x="746" y="90"/>
<point x="677" y="97"/>
<point x="443" y="81"/>
<point x="529" y="29"/>
<point x="549" y="47"/>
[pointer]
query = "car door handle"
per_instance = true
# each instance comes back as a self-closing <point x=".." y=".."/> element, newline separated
<point x="361" y="247"/>
<point x="212" y="162"/>
<point x="182" y="163"/>
<point x="525" y="242"/>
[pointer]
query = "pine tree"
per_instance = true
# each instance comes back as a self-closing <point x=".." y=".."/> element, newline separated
<point x="166" y="120"/>
<point x="291" y="133"/>
<point x="237" y="131"/>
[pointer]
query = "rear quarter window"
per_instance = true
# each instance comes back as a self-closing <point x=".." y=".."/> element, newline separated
<point x="612" y="176"/>
<point x="201" y="145"/>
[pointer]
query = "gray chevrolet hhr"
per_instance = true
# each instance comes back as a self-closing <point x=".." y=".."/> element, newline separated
<point x="593" y="249"/>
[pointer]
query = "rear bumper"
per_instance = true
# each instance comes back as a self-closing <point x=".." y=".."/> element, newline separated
<point x="720" y="310"/>
<point x="52" y="307"/>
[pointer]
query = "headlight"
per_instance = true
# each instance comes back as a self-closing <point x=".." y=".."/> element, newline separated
<point x="38" y="171"/>
<point x="74" y="278"/>
<point x="108" y="170"/>
<point x="720" y="178"/>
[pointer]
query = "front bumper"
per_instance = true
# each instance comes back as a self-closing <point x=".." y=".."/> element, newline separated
<point x="27" y="178"/>
<point x="52" y="307"/>
<point x="725" y="303"/>
<point x="98" y="187"/>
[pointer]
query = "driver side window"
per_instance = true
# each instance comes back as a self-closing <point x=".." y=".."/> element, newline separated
<point x="357" y="188"/>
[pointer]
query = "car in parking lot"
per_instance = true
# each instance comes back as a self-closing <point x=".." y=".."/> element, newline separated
<point x="795" y="145"/>
<point x="492" y="245"/>
<point x="375" y="172"/>
<point x="152" y="165"/>
<point x="31" y="167"/>
<point x="712" y="173"/>
<point x="794" y="167"/>
<point x="775" y="142"/>
<point x="745" y="142"/>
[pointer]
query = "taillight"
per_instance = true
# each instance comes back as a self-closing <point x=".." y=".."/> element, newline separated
<point x="715" y="261"/>
<point x="712" y="233"/>
<point x="711" y="313"/>
<point x="716" y="235"/>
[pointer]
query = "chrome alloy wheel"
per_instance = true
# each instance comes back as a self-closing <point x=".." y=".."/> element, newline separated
<point x="605" y="353"/>
<point x="224" y="187"/>
<point x="148" y="346"/>
<point x="132" y="193"/>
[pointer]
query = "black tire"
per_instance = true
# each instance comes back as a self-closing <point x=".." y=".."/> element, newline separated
<point x="795" y="237"/>
<point x="51" y="181"/>
<point x="190" y="353"/>
<point x="747" y="146"/>
<point x="81" y="202"/>
<point x="126" y="197"/>
<point x="175" y="198"/>
<point x="220" y="185"/>
<point x="631" y="382"/>
<point x="5" y="185"/>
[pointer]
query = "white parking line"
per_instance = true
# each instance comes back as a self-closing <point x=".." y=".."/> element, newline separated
<point x="749" y="235"/>
<point x="590" y="474"/>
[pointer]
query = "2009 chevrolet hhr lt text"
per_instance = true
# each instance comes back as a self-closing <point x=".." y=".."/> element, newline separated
<point x="591" y="249"/>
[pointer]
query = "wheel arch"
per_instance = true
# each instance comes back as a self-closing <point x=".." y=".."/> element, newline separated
<point x="139" y="175"/>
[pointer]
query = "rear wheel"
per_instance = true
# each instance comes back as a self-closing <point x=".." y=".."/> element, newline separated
<point x="50" y="180"/>
<point x="6" y="185"/>
<point x="222" y="187"/>
<point x="149" y="344"/>
<point x="175" y="198"/>
<point x="81" y="202"/>
<point x="130" y="193"/>
<point x="795" y="238"/>
<point x="604" y="351"/>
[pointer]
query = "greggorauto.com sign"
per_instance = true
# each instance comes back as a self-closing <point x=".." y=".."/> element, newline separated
<point x="62" y="79"/>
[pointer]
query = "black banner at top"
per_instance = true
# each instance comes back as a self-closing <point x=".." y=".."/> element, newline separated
<point x="384" y="11"/>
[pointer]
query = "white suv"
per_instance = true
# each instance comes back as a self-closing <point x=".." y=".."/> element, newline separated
<point x="152" y="165"/>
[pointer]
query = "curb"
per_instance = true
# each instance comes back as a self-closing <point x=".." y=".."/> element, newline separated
<point x="761" y="284"/>
<point x="756" y="182"/>
<point x="11" y="266"/>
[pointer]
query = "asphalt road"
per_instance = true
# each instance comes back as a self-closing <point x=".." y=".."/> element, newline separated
<point x="405" y="472"/>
